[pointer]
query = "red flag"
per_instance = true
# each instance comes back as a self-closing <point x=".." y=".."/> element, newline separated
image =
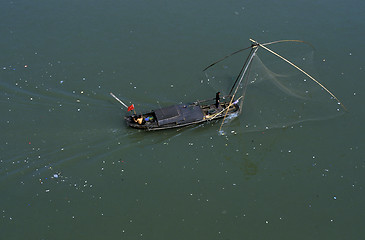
<point x="130" y="108"/>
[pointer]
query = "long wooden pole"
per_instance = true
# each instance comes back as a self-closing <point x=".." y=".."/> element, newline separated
<point x="253" y="46"/>
<point x="122" y="102"/>
<point x="118" y="100"/>
<point x="227" y="57"/>
<point x="282" y="41"/>
<point x="248" y="63"/>
<point x="252" y="49"/>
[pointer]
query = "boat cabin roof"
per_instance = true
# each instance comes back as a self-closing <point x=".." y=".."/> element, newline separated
<point x="179" y="114"/>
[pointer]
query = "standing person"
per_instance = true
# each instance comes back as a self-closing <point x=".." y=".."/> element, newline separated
<point x="217" y="98"/>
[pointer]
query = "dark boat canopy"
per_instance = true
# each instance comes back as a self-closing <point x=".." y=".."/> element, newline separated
<point x="179" y="114"/>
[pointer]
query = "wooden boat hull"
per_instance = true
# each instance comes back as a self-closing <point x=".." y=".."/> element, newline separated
<point x="181" y="115"/>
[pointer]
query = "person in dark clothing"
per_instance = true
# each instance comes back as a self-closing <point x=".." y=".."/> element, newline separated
<point x="217" y="98"/>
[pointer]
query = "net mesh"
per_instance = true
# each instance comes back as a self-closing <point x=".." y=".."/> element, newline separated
<point x="277" y="95"/>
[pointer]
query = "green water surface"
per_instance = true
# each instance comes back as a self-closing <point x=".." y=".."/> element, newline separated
<point x="71" y="169"/>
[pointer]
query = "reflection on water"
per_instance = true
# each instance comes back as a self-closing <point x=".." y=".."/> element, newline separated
<point x="249" y="168"/>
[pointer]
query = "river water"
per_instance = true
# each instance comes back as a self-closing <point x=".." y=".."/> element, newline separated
<point x="71" y="169"/>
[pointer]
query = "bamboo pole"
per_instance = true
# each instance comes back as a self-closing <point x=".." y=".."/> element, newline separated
<point x="248" y="63"/>
<point x="118" y="100"/>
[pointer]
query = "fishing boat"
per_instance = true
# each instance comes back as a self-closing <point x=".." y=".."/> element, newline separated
<point x="181" y="115"/>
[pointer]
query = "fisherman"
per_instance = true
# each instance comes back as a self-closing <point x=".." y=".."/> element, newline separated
<point x="217" y="98"/>
<point x="139" y="120"/>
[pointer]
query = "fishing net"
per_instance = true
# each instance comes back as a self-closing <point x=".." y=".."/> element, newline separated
<point x="275" y="94"/>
